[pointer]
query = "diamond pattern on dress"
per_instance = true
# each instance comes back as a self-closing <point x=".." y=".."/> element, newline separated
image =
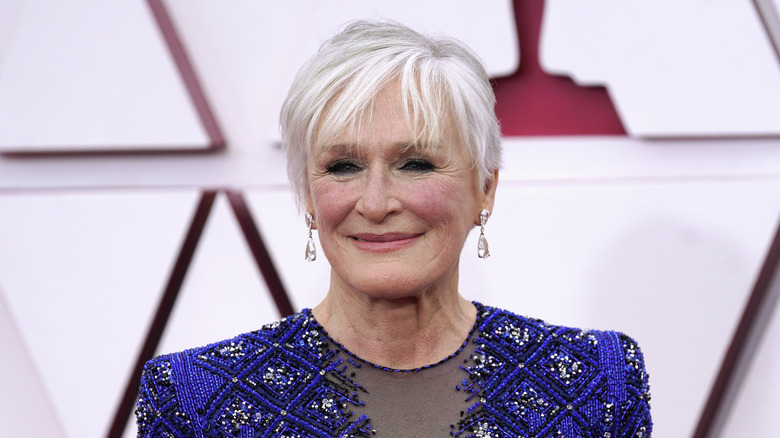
<point x="237" y="414"/>
<point x="530" y="404"/>
<point x="562" y="383"/>
<point x="276" y="377"/>
<point x="564" y="366"/>
<point x="525" y="379"/>
<point x="229" y="356"/>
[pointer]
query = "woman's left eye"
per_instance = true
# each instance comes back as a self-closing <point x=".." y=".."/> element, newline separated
<point x="417" y="165"/>
<point x="343" y="167"/>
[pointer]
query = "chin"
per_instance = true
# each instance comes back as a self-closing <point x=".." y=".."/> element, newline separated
<point x="393" y="284"/>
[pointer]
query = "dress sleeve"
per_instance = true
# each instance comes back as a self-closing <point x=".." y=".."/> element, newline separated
<point x="635" y="420"/>
<point x="158" y="411"/>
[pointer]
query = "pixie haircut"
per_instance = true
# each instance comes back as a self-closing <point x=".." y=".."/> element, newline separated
<point x="442" y="86"/>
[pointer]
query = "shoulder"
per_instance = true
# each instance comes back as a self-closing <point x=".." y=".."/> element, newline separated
<point x="232" y="353"/>
<point x="176" y="386"/>
<point x="578" y="364"/>
<point x="506" y="329"/>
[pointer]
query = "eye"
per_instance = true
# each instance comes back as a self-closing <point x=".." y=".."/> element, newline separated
<point x="343" y="167"/>
<point x="418" y="165"/>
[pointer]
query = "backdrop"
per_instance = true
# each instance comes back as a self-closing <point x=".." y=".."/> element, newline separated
<point x="144" y="206"/>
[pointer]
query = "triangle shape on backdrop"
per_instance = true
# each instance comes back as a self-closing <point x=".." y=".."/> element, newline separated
<point x="82" y="276"/>
<point x="95" y="77"/>
<point x="754" y="412"/>
<point x="745" y="396"/>
<point x="214" y="302"/>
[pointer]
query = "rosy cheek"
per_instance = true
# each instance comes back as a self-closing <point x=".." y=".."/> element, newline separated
<point x="436" y="202"/>
<point x="332" y="203"/>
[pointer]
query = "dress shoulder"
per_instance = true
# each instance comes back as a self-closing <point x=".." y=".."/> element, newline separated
<point x="560" y="376"/>
<point x="178" y="390"/>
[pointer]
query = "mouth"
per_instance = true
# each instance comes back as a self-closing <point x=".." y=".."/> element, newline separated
<point x="385" y="242"/>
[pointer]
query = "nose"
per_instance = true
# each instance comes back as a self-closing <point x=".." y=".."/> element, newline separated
<point x="378" y="199"/>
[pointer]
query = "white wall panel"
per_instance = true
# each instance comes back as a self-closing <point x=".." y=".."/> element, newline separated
<point x="224" y="293"/>
<point x="9" y="17"/>
<point x="246" y="54"/>
<point x="92" y="75"/>
<point x="81" y="274"/>
<point x="755" y="408"/>
<point x="25" y="408"/>
<point x="673" y="67"/>
<point x="583" y="159"/>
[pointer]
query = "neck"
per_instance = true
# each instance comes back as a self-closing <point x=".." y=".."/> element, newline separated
<point x="400" y="333"/>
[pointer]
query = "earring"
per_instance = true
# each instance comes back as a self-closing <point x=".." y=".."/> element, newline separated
<point x="311" y="250"/>
<point x="482" y="245"/>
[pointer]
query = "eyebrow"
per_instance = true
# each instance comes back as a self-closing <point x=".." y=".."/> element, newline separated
<point x="341" y="148"/>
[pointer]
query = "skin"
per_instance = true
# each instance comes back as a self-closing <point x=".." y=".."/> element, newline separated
<point x="392" y="220"/>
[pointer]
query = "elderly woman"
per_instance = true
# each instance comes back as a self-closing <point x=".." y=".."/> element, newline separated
<point x="393" y="150"/>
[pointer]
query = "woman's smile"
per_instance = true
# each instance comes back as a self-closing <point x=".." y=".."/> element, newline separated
<point x="385" y="242"/>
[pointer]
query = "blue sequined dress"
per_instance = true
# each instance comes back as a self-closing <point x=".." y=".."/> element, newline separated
<point x="513" y="377"/>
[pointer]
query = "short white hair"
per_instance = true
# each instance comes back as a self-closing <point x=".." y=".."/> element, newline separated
<point x="442" y="85"/>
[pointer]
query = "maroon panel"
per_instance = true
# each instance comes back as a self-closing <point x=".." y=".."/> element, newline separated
<point x="532" y="102"/>
<point x="160" y="320"/>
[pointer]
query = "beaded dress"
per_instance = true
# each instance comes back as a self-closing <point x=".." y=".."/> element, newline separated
<point x="513" y="377"/>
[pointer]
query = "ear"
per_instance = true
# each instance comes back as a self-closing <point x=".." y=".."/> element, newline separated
<point x="488" y="195"/>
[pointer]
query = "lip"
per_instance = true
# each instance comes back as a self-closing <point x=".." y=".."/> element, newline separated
<point x="385" y="242"/>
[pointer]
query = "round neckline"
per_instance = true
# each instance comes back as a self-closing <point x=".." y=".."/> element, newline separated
<point x="477" y="322"/>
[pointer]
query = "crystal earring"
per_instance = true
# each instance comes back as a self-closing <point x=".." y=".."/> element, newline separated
<point x="311" y="250"/>
<point x="482" y="245"/>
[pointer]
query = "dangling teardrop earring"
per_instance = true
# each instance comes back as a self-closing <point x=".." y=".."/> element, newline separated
<point x="311" y="250"/>
<point x="483" y="251"/>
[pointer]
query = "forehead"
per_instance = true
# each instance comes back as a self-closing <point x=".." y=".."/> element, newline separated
<point x="389" y="119"/>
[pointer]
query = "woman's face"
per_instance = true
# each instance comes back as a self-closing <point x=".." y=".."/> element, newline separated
<point x="391" y="218"/>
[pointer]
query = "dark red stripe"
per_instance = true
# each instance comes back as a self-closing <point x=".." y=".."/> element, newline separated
<point x="533" y="102"/>
<point x="260" y="252"/>
<point x="744" y="344"/>
<point x="187" y="73"/>
<point x="164" y="308"/>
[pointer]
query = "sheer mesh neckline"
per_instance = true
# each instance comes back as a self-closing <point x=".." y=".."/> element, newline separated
<point x="324" y="332"/>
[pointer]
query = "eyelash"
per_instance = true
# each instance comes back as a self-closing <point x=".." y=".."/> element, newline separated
<point x="345" y="166"/>
<point x="342" y="167"/>
<point x="418" y="165"/>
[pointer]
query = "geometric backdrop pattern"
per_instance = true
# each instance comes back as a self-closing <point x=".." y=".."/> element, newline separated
<point x="624" y="222"/>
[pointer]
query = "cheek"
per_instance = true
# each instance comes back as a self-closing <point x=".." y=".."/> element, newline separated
<point x="442" y="203"/>
<point x="332" y="203"/>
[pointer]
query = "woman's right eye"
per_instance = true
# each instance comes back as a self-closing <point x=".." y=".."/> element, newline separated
<point x="343" y="167"/>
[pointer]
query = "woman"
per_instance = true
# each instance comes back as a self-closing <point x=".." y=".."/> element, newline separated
<point x="393" y="151"/>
